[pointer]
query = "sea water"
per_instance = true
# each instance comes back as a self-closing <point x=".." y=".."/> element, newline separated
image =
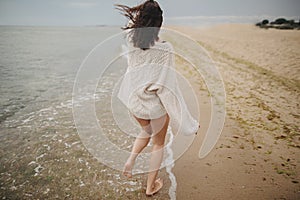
<point x="38" y="68"/>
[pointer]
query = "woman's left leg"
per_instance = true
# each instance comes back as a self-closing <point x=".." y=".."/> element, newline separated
<point x="140" y="143"/>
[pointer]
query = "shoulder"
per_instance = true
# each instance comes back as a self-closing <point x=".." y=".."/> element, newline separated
<point x="165" y="45"/>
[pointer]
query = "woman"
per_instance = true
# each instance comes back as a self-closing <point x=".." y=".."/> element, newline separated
<point x="149" y="88"/>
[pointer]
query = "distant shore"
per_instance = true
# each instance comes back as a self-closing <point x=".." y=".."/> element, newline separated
<point x="279" y="23"/>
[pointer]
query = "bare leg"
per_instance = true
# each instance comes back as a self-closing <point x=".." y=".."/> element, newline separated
<point x="159" y="128"/>
<point x="139" y="144"/>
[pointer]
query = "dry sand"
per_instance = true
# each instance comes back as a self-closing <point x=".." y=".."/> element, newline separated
<point x="257" y="155"/>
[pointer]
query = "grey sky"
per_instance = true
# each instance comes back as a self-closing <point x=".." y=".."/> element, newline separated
<point x="93" y="12"/>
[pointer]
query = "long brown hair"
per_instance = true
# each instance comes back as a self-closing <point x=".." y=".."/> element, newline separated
<point x="145" y="21"/>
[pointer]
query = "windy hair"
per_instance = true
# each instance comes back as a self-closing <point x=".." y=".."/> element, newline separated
<point x="144" y="24"/>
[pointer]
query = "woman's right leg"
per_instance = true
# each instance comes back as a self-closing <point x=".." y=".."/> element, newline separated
<point x="139" y="144"/>
<point x="159" y="130"/>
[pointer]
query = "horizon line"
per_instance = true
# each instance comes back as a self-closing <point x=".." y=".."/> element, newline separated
<point x="168" y="19"/>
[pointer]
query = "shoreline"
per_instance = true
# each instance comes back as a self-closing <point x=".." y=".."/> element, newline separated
<point x="256" y="157"/>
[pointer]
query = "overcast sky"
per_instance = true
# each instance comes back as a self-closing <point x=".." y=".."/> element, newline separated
<point x="96" y="12"/>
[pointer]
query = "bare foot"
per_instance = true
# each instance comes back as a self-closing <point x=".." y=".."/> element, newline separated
<point x="128" y="169"/>
<point x="158" y="184"/>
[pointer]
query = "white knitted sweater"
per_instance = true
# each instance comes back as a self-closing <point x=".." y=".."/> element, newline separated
<point x="149" y="88"/>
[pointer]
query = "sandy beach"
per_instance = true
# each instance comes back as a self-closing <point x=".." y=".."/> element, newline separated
<point x="256" y="157"/>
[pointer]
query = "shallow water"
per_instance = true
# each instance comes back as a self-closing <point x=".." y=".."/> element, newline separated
<point x="38" y="67"/>
<point x="41" y="153"/>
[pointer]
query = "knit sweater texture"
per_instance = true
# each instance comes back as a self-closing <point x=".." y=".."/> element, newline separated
<point x="149" y="88"/>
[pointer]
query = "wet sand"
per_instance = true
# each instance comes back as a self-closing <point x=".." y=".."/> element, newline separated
<point x="257" y="155"/>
